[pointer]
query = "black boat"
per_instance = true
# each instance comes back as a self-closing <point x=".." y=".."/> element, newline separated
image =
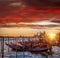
<point x="20" y="47"/>
<point x="16" y="47"/>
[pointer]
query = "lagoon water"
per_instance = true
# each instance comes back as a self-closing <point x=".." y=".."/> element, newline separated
<point x="26" y="54"/>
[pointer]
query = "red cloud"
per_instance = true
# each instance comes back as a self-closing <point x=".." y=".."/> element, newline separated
<point x="8" y="14"/>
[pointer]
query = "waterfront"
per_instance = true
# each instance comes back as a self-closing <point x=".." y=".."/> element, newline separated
<point x="29" y="28"/>
<point x="8" y="53"/>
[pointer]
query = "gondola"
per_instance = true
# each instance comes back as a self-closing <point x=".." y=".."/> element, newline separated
<point x="16" y="47"/>
<point x="20" y="47"/>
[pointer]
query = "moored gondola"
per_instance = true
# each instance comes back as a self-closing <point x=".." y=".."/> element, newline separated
<point x="25" y="47"/>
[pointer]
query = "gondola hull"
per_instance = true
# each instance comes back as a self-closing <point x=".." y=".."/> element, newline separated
<point x="21" y="48"/>
<point x="16" y="47"/>
<point x="38" y="50"/>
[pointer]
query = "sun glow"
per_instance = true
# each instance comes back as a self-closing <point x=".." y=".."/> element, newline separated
<point x="52" y="36"/>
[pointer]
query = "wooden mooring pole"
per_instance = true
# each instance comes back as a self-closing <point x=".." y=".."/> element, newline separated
<point x="16" y="48"/>
<point x="2" y="47"/>
<point x="23" y="47"/>
<point x="8" y="43"/>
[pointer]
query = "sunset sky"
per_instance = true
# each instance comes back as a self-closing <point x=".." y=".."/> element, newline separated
<point x="28" y="16"/>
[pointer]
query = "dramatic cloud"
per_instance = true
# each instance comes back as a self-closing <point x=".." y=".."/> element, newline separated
<point x="40" y="24"/>
<point x="28" y="10"/>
